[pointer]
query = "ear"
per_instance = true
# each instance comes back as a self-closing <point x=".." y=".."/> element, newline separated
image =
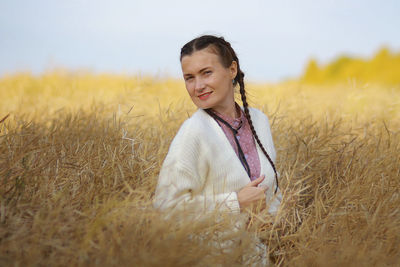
<point x="233" y="69"/>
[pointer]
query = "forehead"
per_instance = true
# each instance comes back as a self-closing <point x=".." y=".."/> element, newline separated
<point x="199" y="60"/>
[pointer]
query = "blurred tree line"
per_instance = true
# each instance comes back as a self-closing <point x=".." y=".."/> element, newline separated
<point x="383" y="67"/>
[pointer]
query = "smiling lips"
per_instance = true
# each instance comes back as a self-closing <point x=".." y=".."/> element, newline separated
<point x="204" y="96"/>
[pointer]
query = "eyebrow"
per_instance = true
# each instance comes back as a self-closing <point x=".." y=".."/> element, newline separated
<point x="203" y="69"/>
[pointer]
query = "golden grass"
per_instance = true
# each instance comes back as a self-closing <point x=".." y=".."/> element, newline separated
<point x="80" y="154"/>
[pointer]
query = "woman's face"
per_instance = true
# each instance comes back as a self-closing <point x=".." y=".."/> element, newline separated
<point x="207" y="81"/>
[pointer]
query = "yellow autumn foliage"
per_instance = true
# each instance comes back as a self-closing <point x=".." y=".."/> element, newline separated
<point x="382" y="68"/>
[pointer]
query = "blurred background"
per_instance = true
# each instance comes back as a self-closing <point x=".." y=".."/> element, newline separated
<point x="275" y="40"/>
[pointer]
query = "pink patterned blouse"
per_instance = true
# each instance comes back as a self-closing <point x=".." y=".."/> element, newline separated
<point x="245" y="138"/>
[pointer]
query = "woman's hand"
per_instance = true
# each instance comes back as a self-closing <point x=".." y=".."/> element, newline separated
<point x="251" y="194"/>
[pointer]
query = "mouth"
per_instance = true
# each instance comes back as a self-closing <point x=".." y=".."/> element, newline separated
<point x="204" y="96"/>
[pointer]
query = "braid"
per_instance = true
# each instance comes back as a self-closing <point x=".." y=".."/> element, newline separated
<point x="247" y="113"/>
<point x="227" y="55"/>
<point x="240" y="79"/>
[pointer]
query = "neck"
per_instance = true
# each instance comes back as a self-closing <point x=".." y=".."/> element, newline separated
<point x="230" y="111"/>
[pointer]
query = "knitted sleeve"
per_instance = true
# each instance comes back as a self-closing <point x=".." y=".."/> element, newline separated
<point x="183" y="175"/>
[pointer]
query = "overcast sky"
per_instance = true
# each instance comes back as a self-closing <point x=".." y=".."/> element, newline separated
<point x="273" y="39"/>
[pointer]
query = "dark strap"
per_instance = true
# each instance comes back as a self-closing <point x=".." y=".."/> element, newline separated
<point x="241" y="154"/>
<point x="235" y="132"/>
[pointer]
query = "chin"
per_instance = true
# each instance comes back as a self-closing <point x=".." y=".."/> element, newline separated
<point x="203" y="104"/>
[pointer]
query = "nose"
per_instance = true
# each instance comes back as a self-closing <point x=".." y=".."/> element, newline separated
<point x="199" y="85"/>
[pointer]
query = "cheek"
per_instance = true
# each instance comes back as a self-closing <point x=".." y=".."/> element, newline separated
<point x="189" y="88"/>
<point x="218" y="81"/>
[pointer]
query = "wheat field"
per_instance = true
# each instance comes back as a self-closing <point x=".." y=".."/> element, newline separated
<point x="80" y="155"/>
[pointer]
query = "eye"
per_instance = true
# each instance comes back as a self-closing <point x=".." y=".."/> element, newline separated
<point x="208" y="72"/>
<point x="188" y="78"/>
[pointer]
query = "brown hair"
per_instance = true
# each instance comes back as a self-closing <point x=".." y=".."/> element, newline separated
<point x="227" y="55"/>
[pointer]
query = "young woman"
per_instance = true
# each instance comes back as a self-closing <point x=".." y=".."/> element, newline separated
<point x="222" y="157"/>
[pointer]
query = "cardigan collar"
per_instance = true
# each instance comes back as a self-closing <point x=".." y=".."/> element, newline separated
<point x="235" y="123"/>
<point x="228" y="147"/>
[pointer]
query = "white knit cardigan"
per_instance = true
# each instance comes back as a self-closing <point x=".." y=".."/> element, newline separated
<point x="202" y="172"/>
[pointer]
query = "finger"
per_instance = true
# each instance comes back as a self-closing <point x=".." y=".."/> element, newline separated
<point x="257" y="181"/>
<point x="264" y="188"/>
<point x="259" y="205"/>
<point x="263" y="204"/>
